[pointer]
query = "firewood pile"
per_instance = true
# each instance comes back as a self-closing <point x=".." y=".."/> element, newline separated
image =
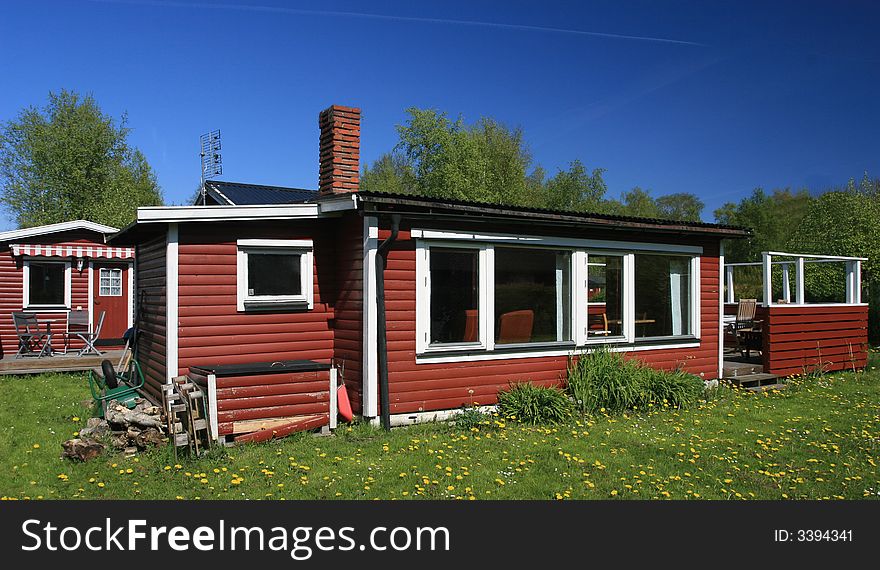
<point x="123" y="429"/>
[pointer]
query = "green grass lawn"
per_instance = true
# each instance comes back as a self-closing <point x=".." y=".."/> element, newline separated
<point x="818" y="439"/>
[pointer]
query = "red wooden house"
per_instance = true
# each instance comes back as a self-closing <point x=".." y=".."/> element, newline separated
<point x="50" y="270"/>
<point x="420" y="304"/>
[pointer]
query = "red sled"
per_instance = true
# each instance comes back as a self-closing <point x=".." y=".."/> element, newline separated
<point x="343" y="403"/>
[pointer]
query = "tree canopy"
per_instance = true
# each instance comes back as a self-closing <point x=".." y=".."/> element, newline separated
<point x="69" y="160"/>
<point x="488" y="162"/>
<point x="774" y="218"/>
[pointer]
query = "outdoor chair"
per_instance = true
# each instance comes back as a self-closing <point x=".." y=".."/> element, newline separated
<point x="516" y="326"/>
<point x="745" y="330"/>
<point x="33" y="340"/>
<point x="78" y="327"/>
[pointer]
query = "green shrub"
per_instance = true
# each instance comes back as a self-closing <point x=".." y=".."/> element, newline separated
<point x="533" y="404"/>
<point x="606" y="381"/>
<point x="470" y="417"/>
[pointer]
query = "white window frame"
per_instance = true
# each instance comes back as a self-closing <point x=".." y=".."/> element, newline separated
<point x="26" y="281"/>
<point x="485" y="307"/>
<point x="110" y="277"/>
<point x="694" y="300"/>
<point x="627" y="310"/>
<point x="581" y="250"/>
<point x="303" y="248"/>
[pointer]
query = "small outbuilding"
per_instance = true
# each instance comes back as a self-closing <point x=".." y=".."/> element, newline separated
<point x="53" y="269"/>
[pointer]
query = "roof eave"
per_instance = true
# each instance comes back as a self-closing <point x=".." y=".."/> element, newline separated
<point x="434" y="208"/>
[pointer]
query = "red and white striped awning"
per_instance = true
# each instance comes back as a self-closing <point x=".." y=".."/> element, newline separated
<point x="72" y="251"/>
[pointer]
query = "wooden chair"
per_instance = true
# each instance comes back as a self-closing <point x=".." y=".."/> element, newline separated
<point x="743" y="329"/>
<point x="31" y="336"/>
<point x="599" y="324"/>
<point x="516" y="326"/>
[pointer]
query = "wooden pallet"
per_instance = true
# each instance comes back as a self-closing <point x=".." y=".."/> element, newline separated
<point x="186" y="413"/>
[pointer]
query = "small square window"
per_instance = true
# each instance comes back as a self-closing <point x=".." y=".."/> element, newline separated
<point x="274" y="273"/>
<point x="46" y="284"/>
<point x="110" y="284"/>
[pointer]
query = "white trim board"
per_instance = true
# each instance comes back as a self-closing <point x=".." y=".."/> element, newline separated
<point x="477" y="357"/>
<point x="549" y="241"/>
<point x="55" y="228"/>
<point x="171" y="308"/>
<point x="171" y="214"/>
<point x="370" y="356"/>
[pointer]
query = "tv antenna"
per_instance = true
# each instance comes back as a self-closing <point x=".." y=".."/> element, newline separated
<point x="212" y="162"/>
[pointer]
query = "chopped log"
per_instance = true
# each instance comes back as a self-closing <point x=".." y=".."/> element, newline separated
<point x="118" y="414"/>
<point x="148" y="437"/>
<point x="81" y="449"/>
<point x="95" y="428"/>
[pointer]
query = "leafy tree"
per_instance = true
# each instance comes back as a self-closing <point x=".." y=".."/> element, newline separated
<point x="488" y="162"/>
<point x="576" y="189"/>
<point x="391" y="173"/>
<point x="636" y="202"/>
<point x="69" y="160"/>
<point x="773" y="217"/>
<point x="680" y="206"/>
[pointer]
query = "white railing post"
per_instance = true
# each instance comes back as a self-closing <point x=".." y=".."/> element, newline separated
<point x="768" y="285"/>
<point x="786" y="283"/>
<point x="858" y="280"/>
<point x="728" y="273"/>
<point x="800" y="297"/>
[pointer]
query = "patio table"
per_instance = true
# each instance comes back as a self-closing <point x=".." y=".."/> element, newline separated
<point x="48" y="323"/>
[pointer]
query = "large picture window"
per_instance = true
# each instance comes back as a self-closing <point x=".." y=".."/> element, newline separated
<point x="455" y="296"/>
<point x="499" y="296"/>
<point x="46" y="284"/>
<point x="662" y="296"/>
<point x="274" y="274"/>
<point x="532" y="295"/>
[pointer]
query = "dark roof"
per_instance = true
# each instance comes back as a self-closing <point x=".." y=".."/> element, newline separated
<point x="389" y="203"/>
<point x="238" y="194"/>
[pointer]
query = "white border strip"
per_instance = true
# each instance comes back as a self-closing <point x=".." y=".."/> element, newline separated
<point x="171" y="307"/>
<point x="438" y="359"/>
<point x="212" y="406"/>
<point x="370" y="356"/>
<point x="556" y="241"/>
<point x="334" y="406"/>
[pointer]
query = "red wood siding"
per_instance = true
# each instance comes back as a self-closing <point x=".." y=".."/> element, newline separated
<point x="799" y="338"/>
<point x="436" y="386"/>
<point x="150" y="301"/>
<point x="348" y="327"/>
<point x="266" y="396"/>
<point x="210" y="328"/>
<point x="11" y="289"/>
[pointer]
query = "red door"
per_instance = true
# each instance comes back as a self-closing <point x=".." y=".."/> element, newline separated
<point x="110" y="294"/>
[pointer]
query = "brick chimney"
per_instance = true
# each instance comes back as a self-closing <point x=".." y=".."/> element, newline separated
<point x="340" y="150"/>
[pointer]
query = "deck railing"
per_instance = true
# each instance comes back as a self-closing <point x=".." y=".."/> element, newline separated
<point x="797" y="262"/>
<point x="799" y="335"/>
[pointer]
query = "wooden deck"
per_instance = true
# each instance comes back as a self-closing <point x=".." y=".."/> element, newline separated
<point x="59" y="363"/>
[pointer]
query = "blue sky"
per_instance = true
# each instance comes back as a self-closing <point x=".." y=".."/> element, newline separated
<point x="710" y="98"/>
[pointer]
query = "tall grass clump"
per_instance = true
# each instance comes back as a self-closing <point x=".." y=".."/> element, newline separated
<point x="605" y="381"/>
<point x="533" y="404"/>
